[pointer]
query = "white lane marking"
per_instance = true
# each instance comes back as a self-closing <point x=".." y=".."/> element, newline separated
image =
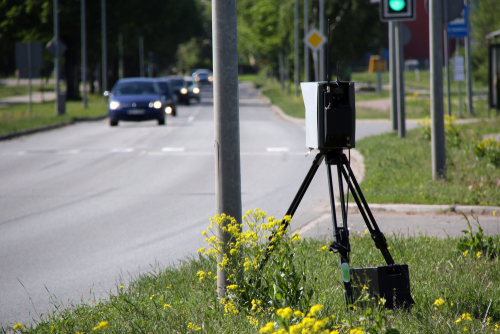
<point x="191" y="118"/>
<point x="172" y="149"/>
<point x="181" y="153"/>
<point x="21" y="153"/>
<point x="122" y="150"/>
<point x="277" y="149"/>
<point x="68" y="152"/>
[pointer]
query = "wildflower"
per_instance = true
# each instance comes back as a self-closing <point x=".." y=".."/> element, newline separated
<point x="121" y="287"/>
<point x="152" y="297"/>
<point x="382" y="301"/>
<point x="166" y="305"/>
<point x="268" y="328"/>
<point x="479" y="254"/>
<point x="366" y="231"/>
<point x="253" y="321"/>
<point x="308" y="322"/>
<point x="465" y="329"/>
<point x="458" y="320"/>
<point x="496" y="327"/>
<point x="201" y="274"/>
<point x="102" y="324"/>
<point x="232" y="287"/>
<point x="296" y="329"/>
<point x="314" y="310"/>
<point x="466" y="316"/>
<point x="439" y="302"/>
<point x="285" y="313"/>
<point x="193" y="326"/>
<point x="322" y="248"/>
<point x="298" y="314"/>
<point x="318" y="325"/>
<point x="18" y="326"/>
<point x="495" y="213"/>
<point x="201" y="250"/>
<point x="356" y="331"/>
<point x="364" y="288"/>
<point x="465" y="253"/>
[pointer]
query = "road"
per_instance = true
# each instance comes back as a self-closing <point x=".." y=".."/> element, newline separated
<point x="86" y="207"/>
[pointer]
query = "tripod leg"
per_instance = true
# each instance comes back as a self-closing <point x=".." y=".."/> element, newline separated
<point x="377" y="236"/>
<point x="341" y="234"/>
<point x="295" y="203"/>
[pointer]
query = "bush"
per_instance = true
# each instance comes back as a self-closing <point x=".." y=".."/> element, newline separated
<point x="490" y="149"/>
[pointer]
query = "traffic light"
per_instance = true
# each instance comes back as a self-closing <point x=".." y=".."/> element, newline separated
<point x="397" y="10"/>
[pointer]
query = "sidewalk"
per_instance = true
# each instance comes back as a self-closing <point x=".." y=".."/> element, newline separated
<point x="35" y="98"/>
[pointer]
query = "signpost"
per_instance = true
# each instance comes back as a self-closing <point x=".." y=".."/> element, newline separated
<point x="29" y="60"/>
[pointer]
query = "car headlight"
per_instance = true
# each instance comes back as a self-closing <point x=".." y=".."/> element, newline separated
<point x="197" y="79"/>
<point x="184" y="91"/>
<point x="113" y="105"/>
<point x="210" y="79"/>
<point x="196" y="90"/>
<point x="156" y="104"/>
<point x="168" y="110"/>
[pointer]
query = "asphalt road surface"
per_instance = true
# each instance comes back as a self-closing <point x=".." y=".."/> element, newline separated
<point x="86" y="207"/>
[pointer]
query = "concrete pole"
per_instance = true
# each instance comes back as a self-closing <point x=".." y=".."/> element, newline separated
<point x="446" y="56"/>
<point x="104" y="68"/>
<point x="393" y="76"/>
<point x="29" y="77"/>
<point x="296" y="50"/>
<point x="400" y="84"/>
<point x="282" y="71"/>
<point x="322" y="49"/>
<point x="468" y="67"/>
<point x="59" y="110"/>
<point x="84" y="55"/>
<point x="306" y="48"/>
<point x="141" y="56"/>
<point x="226" y="117"/>
<point x="437" y="108"/>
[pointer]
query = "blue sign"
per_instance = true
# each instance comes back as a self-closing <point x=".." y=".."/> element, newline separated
<point x="459" y="27"/>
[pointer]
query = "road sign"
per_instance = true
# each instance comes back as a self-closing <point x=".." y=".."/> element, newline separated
<point x="454" y="9"/>
<point x="315" y="39"/>
<point x="459" y="28"/>
<point x="51" y="47"/>
<point x="397" y="10"/>
<point x="29" y="55"/>
<point x="458" y="68"/>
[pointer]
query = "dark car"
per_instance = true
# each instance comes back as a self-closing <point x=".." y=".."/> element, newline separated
<point x="203" y="76"/>
<point x="180" y="89"/>
<point x="135" y="99"/>
<point x="193" y="89"/>
<point x="169" y="99"/>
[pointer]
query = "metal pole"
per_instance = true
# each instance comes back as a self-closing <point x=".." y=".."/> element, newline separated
<point x="296" y="51"/>
<point x="436" y="83"/>
<point x="56" y="62"/>
<point x="282" y="71"/>
<point x="306" y="48"/>
<point x="226" y="118"/>
<point x="446" y="56"/>
<point x="322" y="48"/>
<point x="393" y="76"/>
<point x="120" y="56"/>
<point x="141" y="56"/>
<point x="459" y="84"/>
<point x="398" y="36"/>
<point x="29" y="76"/>
<point x="104" y="68"/>
<point x="84" y="55"/>
<point x="470" y="105"/>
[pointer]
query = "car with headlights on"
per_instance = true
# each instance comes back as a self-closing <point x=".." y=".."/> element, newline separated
<point x="169" y="99"/>
<point x="193" y="90"/>
<point x="203" y="76"/>
<point x="180" y="88"/>
<point x="135" y="99"/>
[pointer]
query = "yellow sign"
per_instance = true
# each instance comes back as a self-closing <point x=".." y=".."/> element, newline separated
<point x="376" y="64"/>
<point x="315" y="39"/>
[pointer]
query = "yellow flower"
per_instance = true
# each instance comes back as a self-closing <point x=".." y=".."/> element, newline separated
<point x="18" y="326"/>
<point x="466" y="316"/>
<point x="152" y="297"/>
<point x="439" y="302"/>
<point x="296" y="329"/>
<point x="193" y="326"/>
<point x="314" y="309"/>
<point x="253" y="321"/>
<point x="298" y="314"/>
<point x="458" y="320"/>
<point x="356" y="331"/>
<point x="465" y="253"/>
<point x="318" y="325"/>
<point x="102" y="324"/>
<point x="232" y="287"/>
<point x="285" y="313"/>
<point x="121" y="287"/>
<point x="465" y="329"/>
<point x="166" y="305"/>
<point x="322" y="248"/>
<point x="382" y="301"/>
<point x="478" y="255"/>
<point x="495" y="213"/>
<point x="268" y="328"/>
<point x="366" y="231"/>
<point x="308" y="322"/>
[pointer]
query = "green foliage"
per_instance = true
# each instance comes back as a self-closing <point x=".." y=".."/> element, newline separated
<point x="490" y="149"/>
<point x="452" y="134"/>
<point x="478" y="244"/>
<point x="279" y="283"/>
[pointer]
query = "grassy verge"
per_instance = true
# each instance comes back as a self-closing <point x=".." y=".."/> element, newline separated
<point x="400" y="171"/>
<point x="8" y="91"/>
<point x="454" y="292"/>
<point x="17" y="117"/>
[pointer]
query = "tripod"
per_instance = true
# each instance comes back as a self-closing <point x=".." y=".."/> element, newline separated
<point x="341" y="244"/>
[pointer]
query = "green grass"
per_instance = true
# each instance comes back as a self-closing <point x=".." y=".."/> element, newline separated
<point x="399" y="170"/>
<point x="17" y="117"/>
<point x="174" y="300"/>
<point x="9" y="91"/>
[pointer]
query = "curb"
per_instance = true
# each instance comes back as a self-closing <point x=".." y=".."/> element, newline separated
<point x="21" y="133"/>
<point x="429" y="208"/>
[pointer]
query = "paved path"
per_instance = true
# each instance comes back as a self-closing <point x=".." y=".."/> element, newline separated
<point x="35" y="98"/>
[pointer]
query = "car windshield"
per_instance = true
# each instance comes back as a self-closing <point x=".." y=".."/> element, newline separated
<point x="136" y="88"/>
<point x="164" y="87"/>
<point x="177" y="83"/>
<point x="205" y="72"/>
<point x="191" y="84"/>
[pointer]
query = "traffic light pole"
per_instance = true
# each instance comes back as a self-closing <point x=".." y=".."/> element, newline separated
<point x="393" y="76"/>
<point x="400" y="79"/>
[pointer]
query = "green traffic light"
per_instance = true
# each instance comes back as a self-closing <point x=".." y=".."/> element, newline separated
<point x="397" y="5"/>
